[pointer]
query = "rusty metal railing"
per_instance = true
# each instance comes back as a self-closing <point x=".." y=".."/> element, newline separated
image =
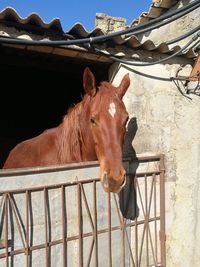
<point x="77" y="224"/>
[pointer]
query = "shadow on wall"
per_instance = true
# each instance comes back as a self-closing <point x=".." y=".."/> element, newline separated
<point x="127" y="196"/>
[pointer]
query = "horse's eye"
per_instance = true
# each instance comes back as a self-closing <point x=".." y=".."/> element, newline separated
<point x="93" y="120"/>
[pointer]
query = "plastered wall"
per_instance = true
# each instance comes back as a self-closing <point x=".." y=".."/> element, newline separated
<point x="166" y="121"/>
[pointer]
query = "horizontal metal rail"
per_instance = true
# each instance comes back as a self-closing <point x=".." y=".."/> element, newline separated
<point x="142" y="239"/>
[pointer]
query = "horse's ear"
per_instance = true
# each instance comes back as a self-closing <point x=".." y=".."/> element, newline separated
<point x="122" y="88"/>
<point x="89" y="82"/>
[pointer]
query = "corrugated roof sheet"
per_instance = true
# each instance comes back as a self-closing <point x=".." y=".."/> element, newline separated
<point x="157" y="8"/>
<point x="34" y="23"/>
<point x="9" y="16"/>
<point x="34" y="27"/>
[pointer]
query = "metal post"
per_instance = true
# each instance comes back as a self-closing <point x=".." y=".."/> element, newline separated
<point x="64" y="224"/>
<point x="80" y="225"/>
<point x="162" y="212"/>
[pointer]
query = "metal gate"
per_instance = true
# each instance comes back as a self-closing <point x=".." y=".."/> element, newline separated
<point x="46" y="221"/>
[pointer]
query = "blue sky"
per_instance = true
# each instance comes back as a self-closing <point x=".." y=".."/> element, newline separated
<point x="83" y="11"/>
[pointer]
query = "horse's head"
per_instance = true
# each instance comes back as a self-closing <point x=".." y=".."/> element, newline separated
<point x="108" y="118"/>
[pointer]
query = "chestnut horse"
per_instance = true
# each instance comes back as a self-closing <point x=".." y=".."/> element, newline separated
<point x="92" y="130"/>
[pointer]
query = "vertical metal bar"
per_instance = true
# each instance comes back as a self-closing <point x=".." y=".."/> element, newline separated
<point x="6" y="229"/>
<point x="155" y="221"/>
<point x="123" y="225"/>
<point x="136" y="227"/>
<point x="129" y="246"/>
<point x="150" y="244"/>
<point x="109" y="231"/>
<point x="12" y="205"/>
<point x="80" y="225"/>
<point x="144" y="228"/>
<point x="91" y="223"/>
<point x="146" y="222"/>
<point x="64" y="226"/>
<point x="95" y="224"/>
<point x="27" y="228"/>
<point x="90" y="253"/>
<point x="162" y="212"/>
<point x="87" y="206"/>
<point x="46" y="227"/>
<point x="2" y="202"/>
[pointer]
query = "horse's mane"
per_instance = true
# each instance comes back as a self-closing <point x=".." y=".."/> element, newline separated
<point x="70" y="138"/>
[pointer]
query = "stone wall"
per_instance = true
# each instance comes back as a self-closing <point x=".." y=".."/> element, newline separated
<point x="166" y="121"/>
<point x="109" y="24"/>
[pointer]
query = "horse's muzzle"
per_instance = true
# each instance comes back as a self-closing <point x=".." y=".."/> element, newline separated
<point x="111" y="185"/>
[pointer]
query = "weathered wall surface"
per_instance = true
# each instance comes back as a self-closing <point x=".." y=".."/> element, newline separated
<point x="175" y="28"/>
<point x="166" y="121"/>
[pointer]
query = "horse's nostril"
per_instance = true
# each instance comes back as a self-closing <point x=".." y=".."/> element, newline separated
<point x="110" y="185"/>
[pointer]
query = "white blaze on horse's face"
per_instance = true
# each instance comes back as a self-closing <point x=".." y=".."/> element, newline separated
<point x="112" y="109"/>
<point x="108" y="116"/>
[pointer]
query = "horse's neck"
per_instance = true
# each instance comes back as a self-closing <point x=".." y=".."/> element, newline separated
<point x="68" y="138"/>
<point x="75" y="139"/>
<point x="86" y="140"/>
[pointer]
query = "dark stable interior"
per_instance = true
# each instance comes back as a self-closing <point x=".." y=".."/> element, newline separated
<point x="36" y="92"/>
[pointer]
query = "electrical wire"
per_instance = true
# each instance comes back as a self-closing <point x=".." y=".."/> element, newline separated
<point x="180" y="12"/>
<point x="155" y="23"/>
<point x="126" y="61"/>
<point x="158" y="61"/>
<point x="194" y="38"/>
<point x="169" y="18"/>
<point x="183" y="36"/>
<point x="193" y="4"/>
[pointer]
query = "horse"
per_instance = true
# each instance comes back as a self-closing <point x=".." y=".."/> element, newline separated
<point x="94" y="129"/>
